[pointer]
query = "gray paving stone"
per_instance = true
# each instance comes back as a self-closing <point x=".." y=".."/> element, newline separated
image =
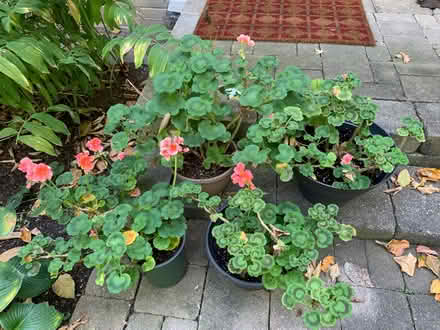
<point x="399" y="24"/>
<point x="289" y="191"/>
<point x="375" y="30"/>
<point x="352" y="251"/>
<point x="101" y="291"/>
<point x="376" y="223"/>
<point x="225" y="306"/>
<point x="430" y="114"/>
<point x="419" y="49"/>
<point x="385" y="73"/>
<point x="275" y="48"/>
<point x="421" y="89"/>
<point x="426" y="312"/>
<point x="195" y="243"/>
<point x="389" y="118"/>
<point x="430" y="27"/>
<point x="379" y="310"/>
<point x="193" y="7"/>
<point x="368" y="6"/>
<point x="339" y="59"/>
<point x="185" y="25"/>
<point x="172" y="323"/>
<point x="381" y="91"/>
<point x="418" y="159"/>
<point x="182" y="300"/>
<point x="384" y="272"/>
<point x="283" y="319"/>
<point x="400" y="7"/>
<point x="138" y="321"/>
<point x="101" y="313"/>
<point x="421" y="281"/>
<point x="417" y="216"/>
<point x="418" y="69"/>
<point x="378" y="53"/>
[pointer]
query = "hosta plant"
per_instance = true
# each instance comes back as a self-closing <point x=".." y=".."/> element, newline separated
<point x="308" y="131"/>
<point x="277" y="243"/>
<point x="111" y="224"/>
<point x="192" y="100"/>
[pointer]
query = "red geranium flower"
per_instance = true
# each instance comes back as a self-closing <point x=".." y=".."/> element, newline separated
<point x="242" y="177"/>
<point x="95" y="145"/>
<point x="171" y="146"/>
<point x="85" y="161"/>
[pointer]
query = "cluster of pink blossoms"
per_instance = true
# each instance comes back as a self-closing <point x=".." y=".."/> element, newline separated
<point x="35" y="172"/>
<point x="242" y="176"/>
<point x="171" y="146"/>
<point x="346" y="159"/>
<point x="245" y="39"/>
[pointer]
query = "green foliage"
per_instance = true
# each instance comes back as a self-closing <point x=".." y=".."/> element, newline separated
<point x="31" y="316"/>
<point x="301" y="130"/>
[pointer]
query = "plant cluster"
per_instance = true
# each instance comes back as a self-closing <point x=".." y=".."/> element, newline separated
<point x="278" y="243"/>
<point x="319" y="125"/>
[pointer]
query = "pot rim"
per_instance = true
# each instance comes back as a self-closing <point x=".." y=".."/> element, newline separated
<point x="385" y="176"/>
<point x="237" y="281"/>
<point x="175" y="255"/>
<point x="208" y="180"/>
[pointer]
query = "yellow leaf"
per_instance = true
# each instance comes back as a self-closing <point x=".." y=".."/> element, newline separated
<point x="437" y="297"/>
<point x="397" y="247"/>
<point x="130" y="236"/>
<point x="326" y="263"/>
<point x="407" y="263"/>
<point x="87" y="198"/>
<point x="174" y="243"/>
<point x="243" y="236"/>
<point x="74" y="11"/>
<point x="334" y="272"/>
<point x="430" y="174"/>
<point x="435" y="286"/>
<point x="433" y="263"/>
<point x="64" y="287"/>
<point x="404" y="178"/>
<point x="428" y="189"/>
<point x="25" y="235"/>
<point x="9" y="254"/>
<point x="421" y="261"/>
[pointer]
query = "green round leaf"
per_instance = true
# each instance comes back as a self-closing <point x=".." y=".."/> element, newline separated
<point x="198" y="107"/>
<point x="10" y="283"/>
<point x="149" y="264"/>
<point x="116" y="283"/>
<point x="30" y="317"/>
<point x="314" y="283"/>
<point x="288" y="301"/>
<point x="312" y="319"/>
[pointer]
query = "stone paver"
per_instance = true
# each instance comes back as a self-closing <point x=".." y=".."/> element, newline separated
<point x="399" y="24"/>
<point x="138" y="321"/>
<point x="182" y="300"/>
<point x="195" y="242"/>
<point x="432" y="70"/>
<point x="101" y="291"/>
<point x="400" y="7"/>
<point x="384" y="272"/>
<point x="352" y="252"/>
<point x="425" y="311"/>
<point x="225" y="306"/>
<point x="385" y="73"/>
<point x="375" y="30"/>
<point x="378" y="222"/>
<point x="379" y="310"/>
<point x="101" y="313"/>
<point x="419" y="49"/>
<point x="172" y="323"/>
<point x="430" y="115"/>
<point x="419" y="88"/>
<point x="381" y="91"/>
<point x="417" y="215"/>
<point x="283" y="319"/>
<point x="387" y="116"/>
<point x="263" y="48"/>
<point x="430" y="26"/>
<point x="379" y="53"/>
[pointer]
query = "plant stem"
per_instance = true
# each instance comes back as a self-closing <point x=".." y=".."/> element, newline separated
<point x="175" y="171"/>
<point x="274" y="237"/>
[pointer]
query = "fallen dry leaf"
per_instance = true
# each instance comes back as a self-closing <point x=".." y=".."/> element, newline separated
<point x="25" y="234"/>
<point x="428" y="190"/>
<point x="64" y="286"/>
<point x="13" y="235"/>
<point x="404" y="57"/>
<point x="426" y="250"/>
<point x="421" y="261"/>
<point x="430" y="174"/>
<point x="404" y="178"/>
<point x="317" y="270"/>
<point x="435" y="286"/>
<point x="433" y="263"/>
<point x="326" y="263"/>
<point x="407" y="263"/>
<point x="397" y="247"/>
<point x="75" y="324"/>
<point x="437" y="297"/>
<point x="334" y="272"/>
<point x="393" y="190"/>
<point x="9" y="254"/>
<point x="130" y="236"/>
<point x="382" y="243"/>
<point x="309" y="273"/>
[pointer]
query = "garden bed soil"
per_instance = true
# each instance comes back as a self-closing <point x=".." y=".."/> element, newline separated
<point x="163" y="256"/>
<point x="193" y="168"/>
<point x="12" y="180"/>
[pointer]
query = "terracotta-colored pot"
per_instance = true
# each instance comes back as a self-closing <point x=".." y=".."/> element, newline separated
<point x="213" y="186"/>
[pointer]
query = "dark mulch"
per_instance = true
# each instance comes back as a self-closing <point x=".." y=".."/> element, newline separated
<point x="193" y="168"/>
<point x="12" y="180"/>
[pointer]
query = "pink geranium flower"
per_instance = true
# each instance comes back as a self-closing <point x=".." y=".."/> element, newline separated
<point x="95" y="145"/>
<point x="245" y="39"/>
<point x="171" y="146"/>
<point x="85" y="161"/>
<point x="121" y="155"/>
<point x="26" y="165"/>
<point x="346" y="159"/>
<point x="242" y="176"/>
<point x="35" y="172"/>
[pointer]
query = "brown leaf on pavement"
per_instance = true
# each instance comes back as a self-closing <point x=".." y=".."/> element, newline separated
<point x="397" y="247"/>
<point x="317" y="270"/>
<point x="433" y="263"/>
<point x="334" y="272"/>
<point x="75" y="324"/>
<point x="426" y="250"/>
<point x="428" y="189"/>
<point x="437" y="297"/>
<point x="326" y="263"/>
<point x="25" y="234"/>
<point x="407" y="263"/>
<point x="435" y="286"/>
<point x="430" y="174"/>
<point x="421" y="261"/>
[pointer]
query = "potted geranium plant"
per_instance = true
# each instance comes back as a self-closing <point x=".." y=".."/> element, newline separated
<point x="262" y="245"/>
<point x="192" y="99"/>
<point x="327" y="136"/>
<point x="111" y="225"/>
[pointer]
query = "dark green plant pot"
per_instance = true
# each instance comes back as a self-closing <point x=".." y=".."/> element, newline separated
<point x="170" y="272"/>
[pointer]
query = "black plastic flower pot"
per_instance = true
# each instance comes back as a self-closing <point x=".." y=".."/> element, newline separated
<point x="213" y="256"/>
<point x="170" y="272"/>
<point x="318" y="192"/>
